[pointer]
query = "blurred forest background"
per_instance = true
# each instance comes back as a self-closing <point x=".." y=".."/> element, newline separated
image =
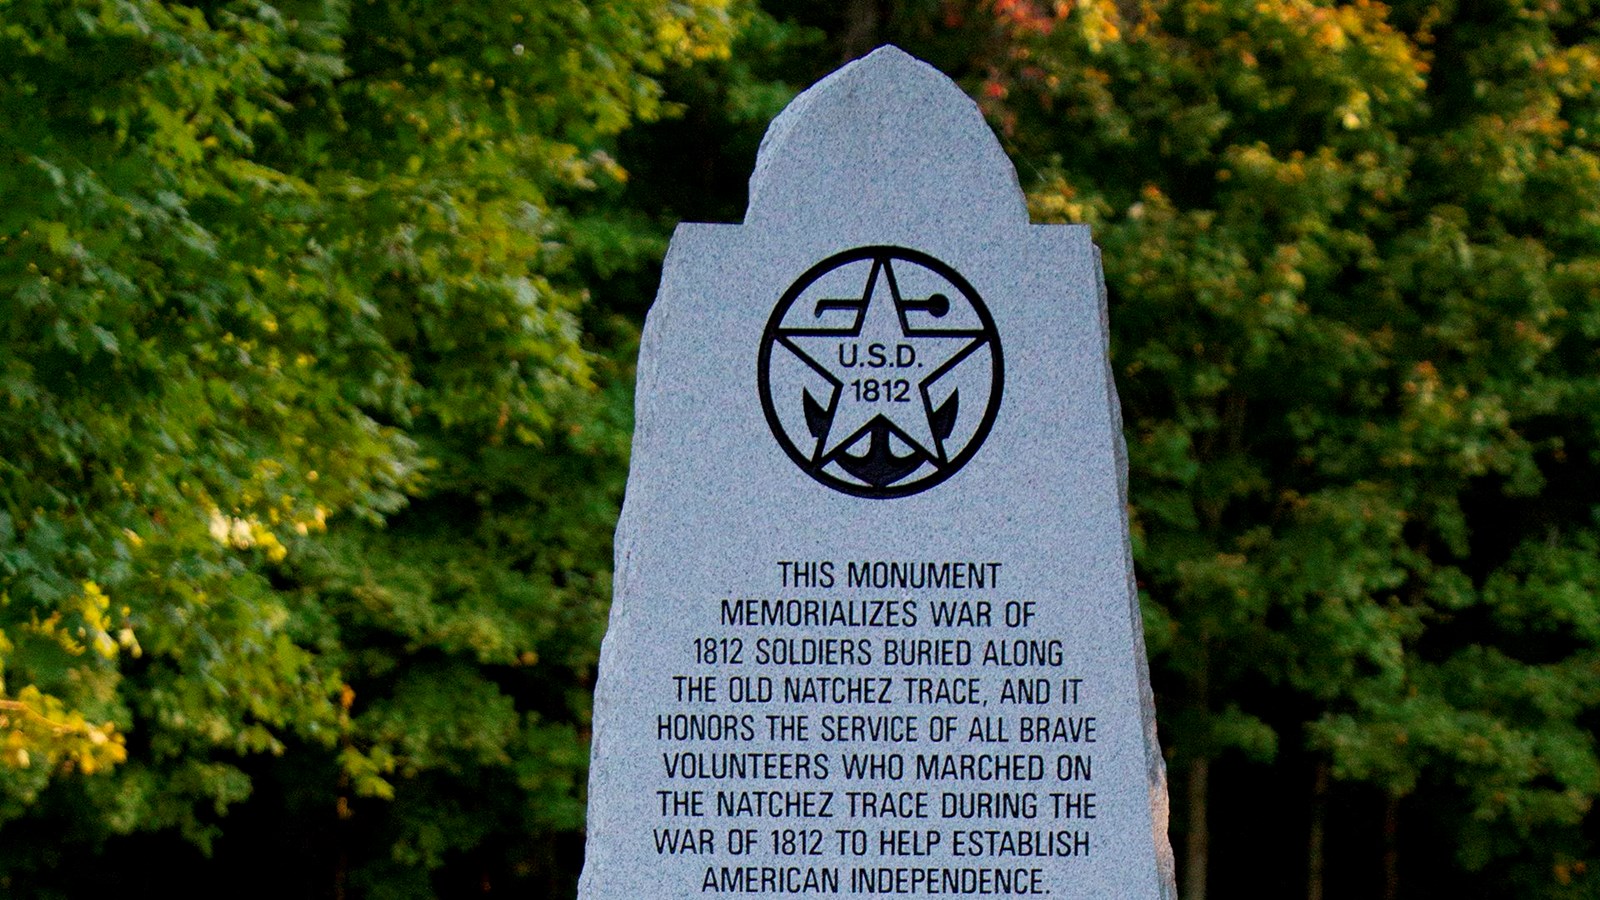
<point x="317" y="327"/>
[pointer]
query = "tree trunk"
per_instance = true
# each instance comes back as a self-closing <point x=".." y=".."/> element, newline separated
<point x="1391" y="849"/>
<point x="1198" y="847"/>
<point x="1314" y="841"/>
<point x="863" y="27"/>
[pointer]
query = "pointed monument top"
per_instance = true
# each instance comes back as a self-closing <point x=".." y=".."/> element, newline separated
<point x="886" y="139"/>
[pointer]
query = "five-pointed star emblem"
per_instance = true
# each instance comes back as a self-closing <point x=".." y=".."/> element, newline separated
<point x="882" y="367"/>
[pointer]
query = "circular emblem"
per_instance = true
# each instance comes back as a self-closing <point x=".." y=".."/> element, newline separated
<point x="880" y="372"/>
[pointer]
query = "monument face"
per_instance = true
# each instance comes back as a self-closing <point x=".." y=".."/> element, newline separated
<point x="875" y="631"/>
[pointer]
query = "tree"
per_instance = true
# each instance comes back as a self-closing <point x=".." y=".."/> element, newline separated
<point x="272" y="270"/>
<point x="1353" y="256"/>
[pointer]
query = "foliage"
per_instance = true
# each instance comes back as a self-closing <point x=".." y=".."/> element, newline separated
<point x="1354" y="253"/>
<point x="272" y="270"/>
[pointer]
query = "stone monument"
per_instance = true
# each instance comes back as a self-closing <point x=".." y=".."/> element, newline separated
<point x="875" y="629"/>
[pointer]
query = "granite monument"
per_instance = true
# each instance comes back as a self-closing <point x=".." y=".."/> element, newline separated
<point x="875" y="630"/>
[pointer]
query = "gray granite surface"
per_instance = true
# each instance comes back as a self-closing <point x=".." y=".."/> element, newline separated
<point x="875" y="629"/>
